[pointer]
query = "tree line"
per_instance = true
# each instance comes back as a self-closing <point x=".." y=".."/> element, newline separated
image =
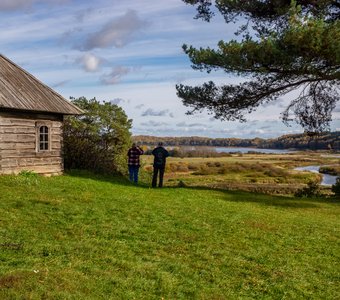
<point x="323" y="141"/>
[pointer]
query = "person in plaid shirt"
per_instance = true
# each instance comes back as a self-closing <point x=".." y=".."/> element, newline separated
<point x="133" y="162"/>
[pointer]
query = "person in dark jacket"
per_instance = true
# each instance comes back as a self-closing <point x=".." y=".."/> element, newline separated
<point x="160" y="154"/>
<point x="134" y="162"/>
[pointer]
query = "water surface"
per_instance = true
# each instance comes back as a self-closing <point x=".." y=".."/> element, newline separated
<point x="326" y="178"/>
<point x="248" y="149"/>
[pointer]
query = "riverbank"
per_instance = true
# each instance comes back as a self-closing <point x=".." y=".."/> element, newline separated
<point x="263" y="173"/>
<point x="327" y="178"/>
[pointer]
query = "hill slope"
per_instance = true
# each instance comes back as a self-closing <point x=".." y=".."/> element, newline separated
<point x="81" y="236"/>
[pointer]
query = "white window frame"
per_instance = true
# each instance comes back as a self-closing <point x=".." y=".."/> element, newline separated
<point x="46" y="139"/>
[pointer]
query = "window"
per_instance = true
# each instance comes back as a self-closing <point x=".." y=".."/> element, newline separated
<point x="43" y="138"/>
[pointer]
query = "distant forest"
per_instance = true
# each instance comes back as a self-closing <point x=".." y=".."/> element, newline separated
<point x="324" y="141"/>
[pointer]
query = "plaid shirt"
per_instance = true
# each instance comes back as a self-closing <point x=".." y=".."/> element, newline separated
<point x="133" y="156"/>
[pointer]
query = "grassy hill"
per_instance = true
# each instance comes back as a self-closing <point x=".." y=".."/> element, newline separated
<point x="80" y="236"/>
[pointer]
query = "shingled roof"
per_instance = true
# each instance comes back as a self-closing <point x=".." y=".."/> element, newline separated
<point x="20" y="90"/>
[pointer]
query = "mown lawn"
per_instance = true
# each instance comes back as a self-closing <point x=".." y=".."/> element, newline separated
<point x="80" y="236"/>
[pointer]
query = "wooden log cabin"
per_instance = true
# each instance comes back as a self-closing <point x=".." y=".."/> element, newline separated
<point x="31" y="118"/>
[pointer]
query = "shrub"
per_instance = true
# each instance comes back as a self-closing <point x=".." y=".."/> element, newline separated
<point x="172" y="167"/>
<point x="205" y="170"/>
<point x="237" y="168"/>
<point x="182" y="168"/>
<point x="193" y="167"/>
<point x="97" y="140"/>
<point x="258" y="167"/>
<point x="311" y="190"/>
<point x="181" y="183"/>
<point x="335" y="171"/>
<point x="223" y="170"/>
<point x="275" y="172"/>
<point x="336" y="187"/>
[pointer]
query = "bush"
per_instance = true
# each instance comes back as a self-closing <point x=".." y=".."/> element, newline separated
<point x="193" y="167"/>
<point x="336" y="187"/>
<point x="205" y="170"/>
<point x="335" y="171"/>
<point x="311" y="190"/>
<point x="97" y="140"/>
<point x="237" y="167"/>
<point x="182" y="168"/>
<point x="275" y="172"/>
<point x="172" y="167"/>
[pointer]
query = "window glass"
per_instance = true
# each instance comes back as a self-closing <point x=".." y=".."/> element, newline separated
<point x="43" y="138"/>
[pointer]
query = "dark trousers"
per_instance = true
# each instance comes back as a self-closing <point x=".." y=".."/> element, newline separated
<point x="156" y="171"/>
<point x="133" y="173"/>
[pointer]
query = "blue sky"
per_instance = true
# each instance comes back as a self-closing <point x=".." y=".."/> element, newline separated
<point x="128" y="52"/>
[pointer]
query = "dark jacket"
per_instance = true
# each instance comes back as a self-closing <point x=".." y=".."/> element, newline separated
<point x="160" y="155"/>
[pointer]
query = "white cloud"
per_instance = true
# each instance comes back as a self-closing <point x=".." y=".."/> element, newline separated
<point x="152" y="123"/>
<point x="15" y="4"/>
<point x="140" y="106"/>
<point x="115" y="76"/>
<point x="154" y="113"/>
<point x="8" y="5"/>
<point x="117" y="101"/>
<point x="281" y="103"/>
<point x="184" y="124"/>
<point x="83" y="14"/>
<point x="90" y="62"/>
<point x="117" y="33"/>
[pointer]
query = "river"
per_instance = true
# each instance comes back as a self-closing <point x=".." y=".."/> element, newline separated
<point x="326" y="178"/>
<point x="247" y="149"/>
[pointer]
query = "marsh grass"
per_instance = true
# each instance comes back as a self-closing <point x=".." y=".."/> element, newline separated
<point x="84" y="236"/>
<point x="264" y="173"/>
<point x="331" y="170"/>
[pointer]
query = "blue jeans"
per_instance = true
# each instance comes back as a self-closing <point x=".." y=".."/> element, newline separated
<point x="133" y="173"/>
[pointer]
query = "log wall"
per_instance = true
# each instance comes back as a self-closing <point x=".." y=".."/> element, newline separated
<point x="18" y="144"/>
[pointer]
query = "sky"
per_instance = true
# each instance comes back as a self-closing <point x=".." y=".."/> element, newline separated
<point x="130" y="53"/>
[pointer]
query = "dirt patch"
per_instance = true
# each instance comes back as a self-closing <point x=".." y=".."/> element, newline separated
<point x="11" y="281"/>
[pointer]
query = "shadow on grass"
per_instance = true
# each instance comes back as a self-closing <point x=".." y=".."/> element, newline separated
<point x="111" y="178"/>
<point x="269" y="200"/>
<point x="235" y="196"/>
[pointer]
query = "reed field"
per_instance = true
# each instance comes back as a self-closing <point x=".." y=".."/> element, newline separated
<point x="264" y="173"/>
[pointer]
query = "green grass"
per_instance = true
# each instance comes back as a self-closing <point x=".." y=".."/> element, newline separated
<point x="81" y="236"/>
